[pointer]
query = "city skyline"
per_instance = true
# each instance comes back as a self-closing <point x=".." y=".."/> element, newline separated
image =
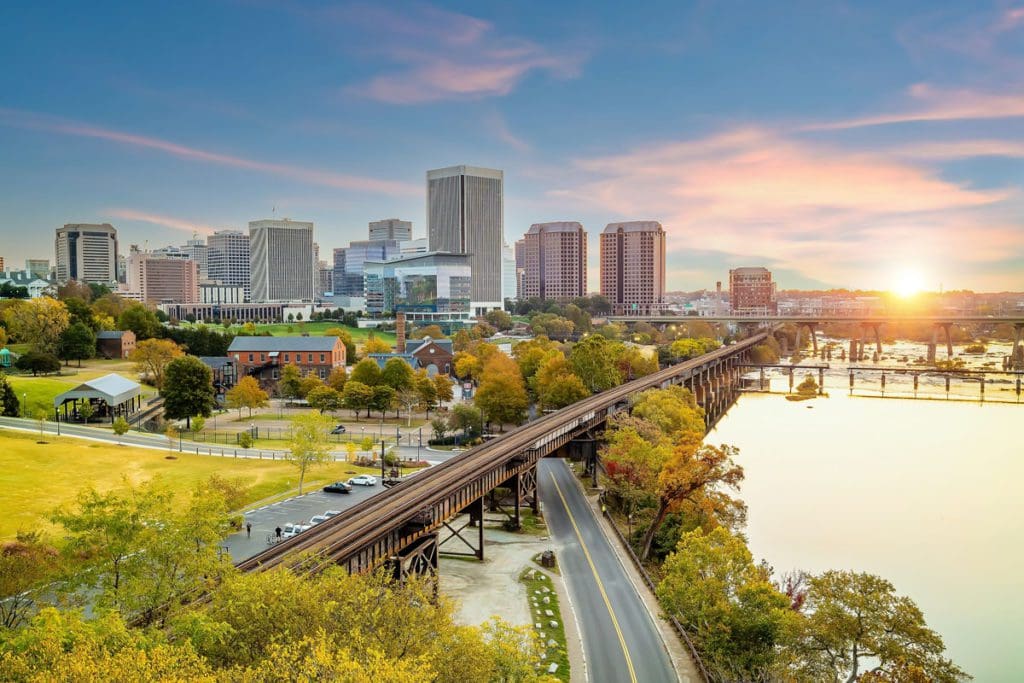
<point x="861" y="146"/>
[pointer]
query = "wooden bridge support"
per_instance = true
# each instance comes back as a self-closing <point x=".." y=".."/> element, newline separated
<point x="462" y="533"/>
<point x="417" y="560"/>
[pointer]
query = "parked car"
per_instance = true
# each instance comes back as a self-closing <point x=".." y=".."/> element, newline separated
<point x="317" y="519"/>
<point x="289" y="530"/>
<point x="340" y="429"/>
<point x="338" y="487"/>
<point x="332" y="513"/>
<point x="363" y="480"/>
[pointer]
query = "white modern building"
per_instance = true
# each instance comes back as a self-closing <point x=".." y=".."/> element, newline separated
<point x="86" y="252"/>
<point x="282" y="267"/>
<point x="465" y="215"/>
<point x="508" y="273"/>
<point x="391" y="229"/>
<point x="434" y="286"/>
<point x="227" y="259"/>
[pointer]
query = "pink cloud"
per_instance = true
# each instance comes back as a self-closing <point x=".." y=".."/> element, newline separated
<point x="442" y="55"/>
<point x="34" y="121"/>
<point x="158" y="219"/>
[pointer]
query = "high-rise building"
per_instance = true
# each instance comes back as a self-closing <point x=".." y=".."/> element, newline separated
<point x="413" y="247"/>
<point x="465" y="215"/>
<point x="198" y="251"/>
<point x="509" y="285"/>
<point x="37" y="267"/>
<point x="281" y="260"/>
<point x="752" y="291"/>
<point x="633" y="267"/>
<point x="227" y="259"/>
<point x="324" y="280"/>
<point x="159" y="279"/>
<point x="349" y="263"/>
<point x="86" y="253"/>
<point x="391" y="229"/>
<point x="554" y="261"/>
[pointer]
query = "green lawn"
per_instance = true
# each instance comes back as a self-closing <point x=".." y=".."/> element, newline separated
<point x="36" y="478"/>
<point x="359" y="334"/>
<point x="42" y="390"/>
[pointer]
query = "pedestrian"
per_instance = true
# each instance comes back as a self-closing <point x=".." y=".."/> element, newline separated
<point x="248" y="529"/>
<point x="278" y="532"/>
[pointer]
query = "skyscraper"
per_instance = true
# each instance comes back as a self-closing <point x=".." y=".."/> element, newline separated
<point x="227" y="259"/>
<point x="349" y="263"/>
<point x="391" y="229"/>
<point x="86" y="253"/>
<point x="554" y="261"/>
<point x="465" y="215"/>
<point x="281" y="260"/>
<point x="633" y="266"/>
<point x="198" y="251"/>
<point x="163" y="279"/>
<point x="752" y="291"/>
<point x="509" y="286"/>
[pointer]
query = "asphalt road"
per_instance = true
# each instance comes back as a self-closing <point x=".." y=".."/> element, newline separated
<point x="620" y="639"/>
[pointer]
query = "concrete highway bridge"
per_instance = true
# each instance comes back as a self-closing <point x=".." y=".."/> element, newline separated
<point x="865" y="322"/>
<point x="399" y="527"/>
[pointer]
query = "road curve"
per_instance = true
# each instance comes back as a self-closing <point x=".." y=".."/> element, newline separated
<point x="621" y="642"/>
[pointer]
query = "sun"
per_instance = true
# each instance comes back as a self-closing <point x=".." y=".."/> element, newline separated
<point x="908" y="282"/>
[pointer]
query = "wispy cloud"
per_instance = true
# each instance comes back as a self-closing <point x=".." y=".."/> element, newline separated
<point x="440" y="55"/>
<point x="35" y="121"/>
<point x="158" y="219"/>
<point x="498" y="127"/>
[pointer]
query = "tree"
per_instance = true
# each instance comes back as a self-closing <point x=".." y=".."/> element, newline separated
<point x="86" y="411"/>
<point x="188" y="389"/>
<point x="556" y="385"/>
<point x="140" y="320"/>
<point x="482" y="330"/>
<point x="357" y="396"/>
<point x="26" y="566"/>
<point x="468" y="418"/>
<point x="685" y="349"/>
<point x="120" y="427"/>
<point x="9" y="405"/>
<point x="531" y="354"/>
<point x="77" y="343"/>
<point x="552" y="326"/>
<point x="426" y="390"/>
<point x="367" y="372"/>
<point x="151" y="357"/>
<point x="290" y="383"/>
<point x="247" y="394"/>
<point x="397" y="374"/>
<point x="38" y="361"/>
<point x="856" y="619"/>
<point x="309" y="383"/>
<point x="593" y="361"/>
<point x="432" y="331"/>
<point x="336" y="380"/>
<point x="375" y="345"/>
<point x="383" y="398"/>
<point x="409" y="398"/>
<point x="443" y="387"/>
<point x="467" y="366"/>
<point x="501" y="395"/>
<point x="499" y="319"/>
<point x="307" y="444"/>
<point x="325" y="399"/>
<point x="711" y="584"/>
<point x="38" y="322"/>
<point x="440" y="427"/>
<point x="198" y="423"/>
<point x="245" y="439"/>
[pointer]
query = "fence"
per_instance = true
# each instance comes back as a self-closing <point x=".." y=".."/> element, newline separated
<point x="388" y="434"/>
<point x="698" y="662"/>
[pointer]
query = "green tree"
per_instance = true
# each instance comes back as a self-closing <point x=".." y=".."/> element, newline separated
<point x="856" y="620"/>
<point x="198" y="424"/>
<point x="38" y="322"/>
<point x="188" y="389"/>
<point x="120" y="427"/>
<point x="245" y="439"/>
<point x="78" y="342"/>
<point x="290" y="383"/>
<point x="325" y="399"/>
<point x="383" y="398"/>
<point x="367" y="372"/>
<point x="468" y="418"/>
<point x="439" y="426"/>
<point x="86" y="411"/>
<point x="247" y="393"/>
<point x="309" y="383"/>
<point x="499" y="320"/>
<point x="556" y="385"/>
<point x="140" y="320"/>
<point x="9" y="405"/>
<point x="38" y="361"/>
<point x="357" y="396"/>
<point x="27" y="565"/>
<point x="397" y="374"/>
<point x="593" y="361"/>
<point x="307" y="444"/>
<point x="502" y="396"/>
<point x="336" y="380"/>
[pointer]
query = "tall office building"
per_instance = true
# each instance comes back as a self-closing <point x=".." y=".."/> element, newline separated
<point x="37" y="267"/>
<point x="162" y="279"/>
<point x="465" y="215"/>
<point x="281" y="260"/>
<point x="752" y="291"/>
<point x="509" y="284"/>
<point x="86" y="253"/>
<point x="2" y="264"/>
<point x="198" y="251"/>
<point x="633" y="267"/>
<point x="554" y="261"/>
<point x="227" y="259"/>
<point x="349" y="263"/>
<point x="391" y="229"/>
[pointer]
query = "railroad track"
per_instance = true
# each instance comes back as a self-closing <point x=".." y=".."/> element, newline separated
<point x="345" y="535"/>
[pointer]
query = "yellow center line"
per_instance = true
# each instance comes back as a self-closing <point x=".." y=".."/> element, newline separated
<point x="600" y="585"/>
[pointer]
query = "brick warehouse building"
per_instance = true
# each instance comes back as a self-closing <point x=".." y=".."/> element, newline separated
<point x="263" y="357"/>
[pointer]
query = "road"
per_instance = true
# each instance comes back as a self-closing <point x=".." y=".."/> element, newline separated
<point x="620" y="639"/>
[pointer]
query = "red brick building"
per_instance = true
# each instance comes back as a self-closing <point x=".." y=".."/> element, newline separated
<point x="263" y="357"/>
<point x="115" y="343"/>
<point x="752" y="291"/>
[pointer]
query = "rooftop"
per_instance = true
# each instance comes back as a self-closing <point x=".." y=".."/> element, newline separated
<point x="633" y="226"/>
<point x="557" y="226"/>
<point x="112" y="388"/>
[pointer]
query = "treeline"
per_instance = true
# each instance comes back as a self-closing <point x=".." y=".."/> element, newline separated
<point x="678" y="497"/>
<point x="142" y="556"/>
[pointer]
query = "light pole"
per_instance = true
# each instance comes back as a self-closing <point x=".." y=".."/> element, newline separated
<point x="24" y="405"/>
<point x="382" y="462"/>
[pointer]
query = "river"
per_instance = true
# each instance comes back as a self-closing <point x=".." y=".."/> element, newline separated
<point x="923" y="493"/>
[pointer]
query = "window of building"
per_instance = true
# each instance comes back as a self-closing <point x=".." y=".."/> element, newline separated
<point x="263" y="357"/>
<point x="273" y="374"/>
<point x="286" y="359"/>
<point x="250" y="357"/>
<point x="310" y="358"/>
<point x="322" y="358"/>
<point x="323" y="373"/>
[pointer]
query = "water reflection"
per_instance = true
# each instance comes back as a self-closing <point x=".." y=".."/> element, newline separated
<point x="924" y="493"/>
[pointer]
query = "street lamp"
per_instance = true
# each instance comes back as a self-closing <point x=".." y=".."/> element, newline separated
<point x="24" y="405"/>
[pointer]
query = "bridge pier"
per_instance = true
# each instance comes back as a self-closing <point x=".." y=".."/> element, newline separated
<point x="476" y="519"/>
<point x="1017" y="356"/>
<point x="417" y="560"/>
<point x="935" y="341"/>
<point x="878" y="337"/>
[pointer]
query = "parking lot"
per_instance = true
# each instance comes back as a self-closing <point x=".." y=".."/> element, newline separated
<point x="299" y="509"/>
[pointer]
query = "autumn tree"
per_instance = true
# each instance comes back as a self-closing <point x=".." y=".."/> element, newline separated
<point x="499" y="320"/>
<point x="858" y="628"/>
<point x="593" y="361"/>
<point x="290" y="383"/>
<point x="38" y="322"/>
<point x="140" y="320"/>
<point x="531" y="354"/>
<point x="151" y="357"/>
<point x="247" y="394"/>
<point x="432" y="331"/>
<point x="556" y="385"/>
<point x="443" y="388"/>
<point x="346" y="338"/>
<point x="336" y="380"/>
<point x="502" y="396"/>
<point x="552" y="326"/>
<point x="397" y="374"/>
<point x="188" y="389"/>
<point x="374" y="344"/>
<point x="27" y="564"/>
<point x="687" y="348"/>
<point x="307" y="444"/>
<point x="325" y="399"/>
<point x="367" y="372"/>
<point x="356" y="396"/>
<point x="309" y="383"/>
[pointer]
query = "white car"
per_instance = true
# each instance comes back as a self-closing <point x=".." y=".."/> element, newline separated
<point x="363" y="480"/>
<point x="332" y="513"/>
<point x="289" y="529"/>
<point x="317" y="519"/>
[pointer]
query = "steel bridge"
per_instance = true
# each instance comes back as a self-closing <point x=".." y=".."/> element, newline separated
<point x="400" y="526"/>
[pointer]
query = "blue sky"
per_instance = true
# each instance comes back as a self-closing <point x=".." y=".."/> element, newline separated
<point x="840" y="143"/>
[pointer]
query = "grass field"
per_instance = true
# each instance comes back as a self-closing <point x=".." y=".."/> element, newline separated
<point x="359" y="334"/>
<point x="36" y="478"/>
<point x="42" y="390"/>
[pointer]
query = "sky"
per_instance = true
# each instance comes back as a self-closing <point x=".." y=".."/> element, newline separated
<point x="841" y="144"/>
